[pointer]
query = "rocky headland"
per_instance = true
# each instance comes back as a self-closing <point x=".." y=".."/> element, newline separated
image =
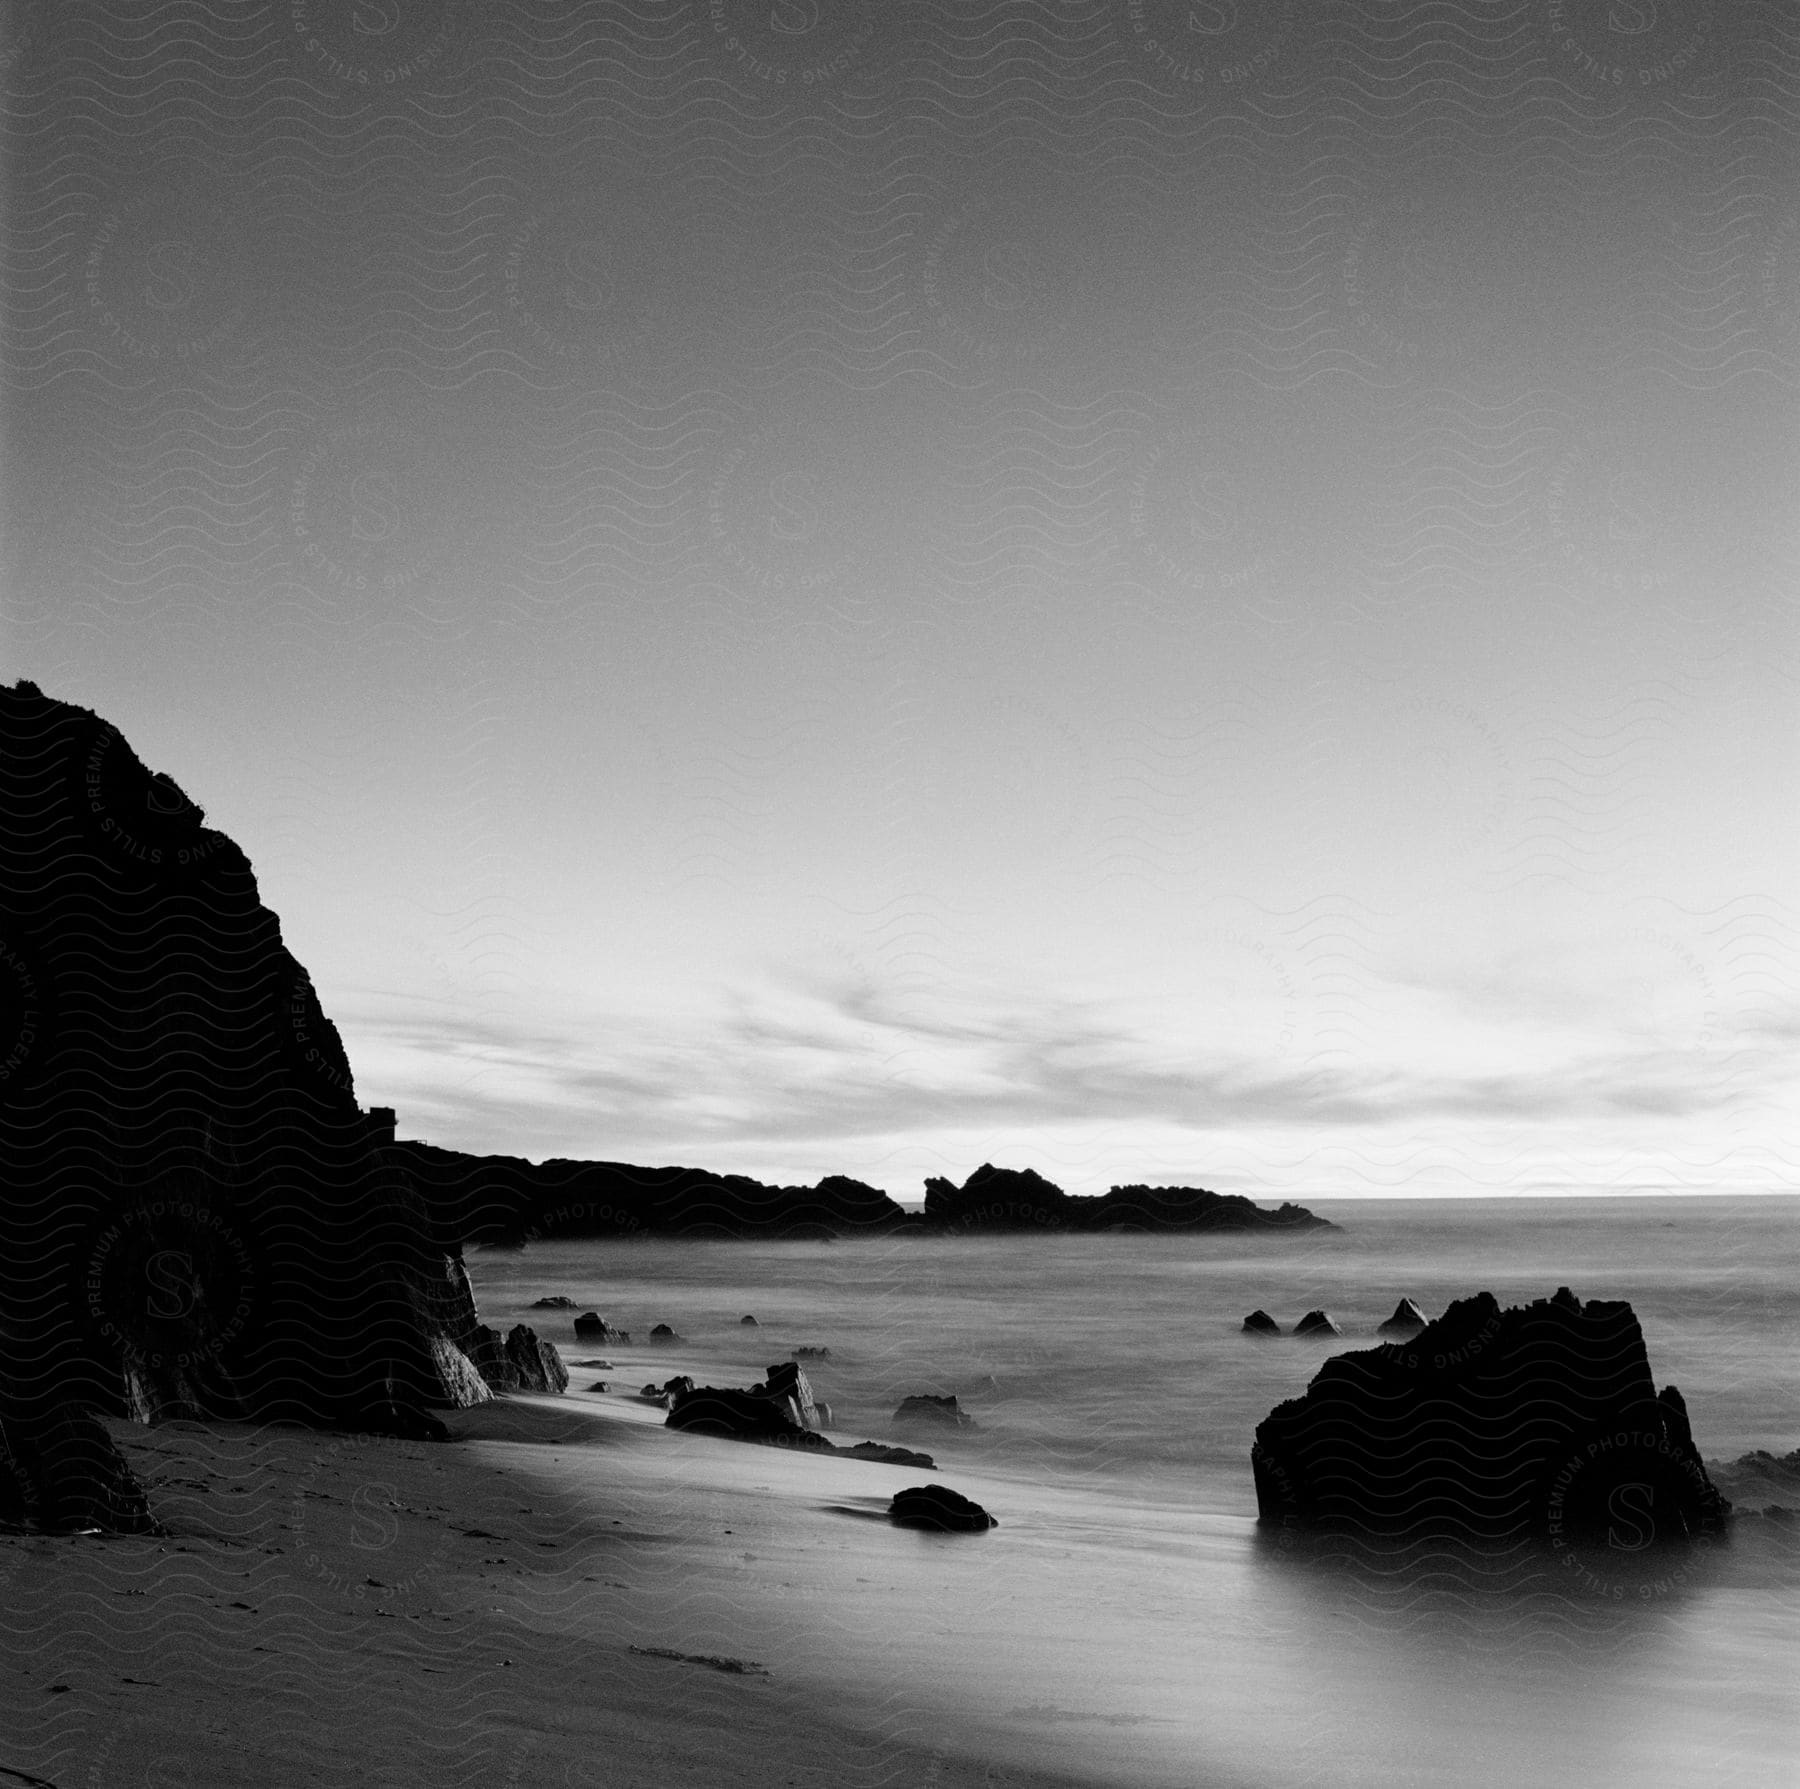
<point x="508" y="1201"/>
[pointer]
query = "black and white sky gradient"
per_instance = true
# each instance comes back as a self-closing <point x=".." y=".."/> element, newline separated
<point x="1150" y="589"/>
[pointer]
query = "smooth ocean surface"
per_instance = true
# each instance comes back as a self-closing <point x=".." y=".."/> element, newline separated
<point x="1127" y="1622"/>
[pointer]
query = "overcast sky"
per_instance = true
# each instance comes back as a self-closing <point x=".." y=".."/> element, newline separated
<point x="1156" y="590"/>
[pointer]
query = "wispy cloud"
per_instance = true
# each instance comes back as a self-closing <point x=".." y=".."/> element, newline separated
<point x="810" y="1072"/>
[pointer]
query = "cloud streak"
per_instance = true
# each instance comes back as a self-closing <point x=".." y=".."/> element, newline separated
<point x="818" y="1075"/>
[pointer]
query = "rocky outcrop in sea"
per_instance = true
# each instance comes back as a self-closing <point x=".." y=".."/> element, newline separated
<point x="1541" y="1418"/>
<point x="1021" y="1199"/>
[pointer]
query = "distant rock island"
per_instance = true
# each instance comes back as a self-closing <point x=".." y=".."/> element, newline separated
<point x="507" y="1201"/>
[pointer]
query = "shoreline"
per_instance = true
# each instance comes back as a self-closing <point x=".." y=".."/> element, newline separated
<point x="349" y="1607"/>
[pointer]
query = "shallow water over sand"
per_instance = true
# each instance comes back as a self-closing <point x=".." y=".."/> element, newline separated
<point x="1128" y="1622"/>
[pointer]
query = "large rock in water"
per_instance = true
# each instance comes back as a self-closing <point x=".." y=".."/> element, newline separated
<point x="199" y="1218"/>
<point x="743" y="1415"/>
<point x="943" y="1413"/>
<point x="1490" y="1423"/>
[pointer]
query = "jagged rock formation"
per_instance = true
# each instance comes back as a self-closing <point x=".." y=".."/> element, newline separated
<point x="199" y="1219"/>
<point x="788" y="1385"/>
<point x="1760" y="1483"/>
<point x="779" y="1411"/>
<point x="744" y="1415"/>
<point x="1260" y="1323"/>
<point x="1406" y="1321"/>
<point x="1316" y="1323"/>
<point x="1542" y="1418"/>
<point x="592" y="1327"/>
<point x="942" y="1413"/>
<point x="1022" y="1199"/>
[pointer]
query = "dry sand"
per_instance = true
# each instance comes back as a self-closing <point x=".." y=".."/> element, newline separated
<point x="342" y="1609"/>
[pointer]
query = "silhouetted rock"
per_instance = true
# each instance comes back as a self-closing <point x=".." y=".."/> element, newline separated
<point x="1407" y="1320"/>
<point x="663" y="1333"/>
<point x="743" y="1415"/>
<point x="942" y="1413"/>
<point x="750" y="1321"/>
<point x="521" y="1361"/>
<point x="997" y="1199"/>
<point x="1021" y="1199"/>
<point x="558" y="1303"/>
<point x="787" y="1384"/>
<point x="199" y="1219"/>
<point x="1190" y="1208"/>
<point x="598" y="1385"/>
<point x="1539" y="1418"/>
<point x="884" y="1455"/>
<point x="1316" y="1323"/>
<point x="1260" y="1323"/>
<point x="500" y="1198"/>
<point x="937" y="1506"/>
<point x="592" y="1327"/>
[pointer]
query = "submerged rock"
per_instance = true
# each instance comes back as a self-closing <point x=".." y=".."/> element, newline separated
<point x="810" y="1353"/>
<point x="662" y="1333"/>
<point x="943" y="1413"/>
<point x="558" y="1303"/>
<point x="1260" y="1323"/>
<point x="885" y="1455"/>
<point x="937" y="1506"/>
<point x="1538" y="1419"/>
<point x="592" y="1327"/>
<point x="1407" y="1320"/>
<point x="747" y="1321"/>
<point x="1316" y="1323"/>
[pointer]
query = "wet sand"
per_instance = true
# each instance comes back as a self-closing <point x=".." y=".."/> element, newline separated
<point x="559" y="1597"/>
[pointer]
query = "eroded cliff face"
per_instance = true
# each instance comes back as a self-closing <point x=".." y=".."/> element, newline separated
<point x="197" y="1218"/>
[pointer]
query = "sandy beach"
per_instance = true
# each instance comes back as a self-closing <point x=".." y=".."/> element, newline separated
<point x="507" y="1609"/>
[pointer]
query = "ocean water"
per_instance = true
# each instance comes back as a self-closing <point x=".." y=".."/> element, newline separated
<point x="1129" y="1622"/>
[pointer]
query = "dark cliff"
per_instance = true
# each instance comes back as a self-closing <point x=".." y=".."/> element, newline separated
<point x="198" y="1219"/>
